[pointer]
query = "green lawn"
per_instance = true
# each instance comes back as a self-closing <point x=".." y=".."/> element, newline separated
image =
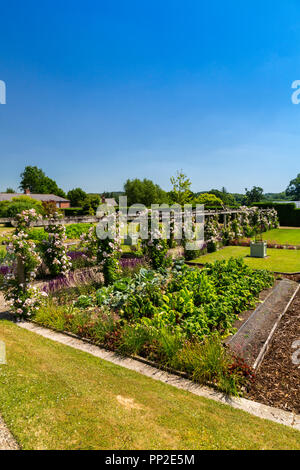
<point x="54" y="397"/>
<point x="283" y="236"/>
<point x="126" y="248"/>
<point x="5" y="231"/>
<point x="277" y="260"/>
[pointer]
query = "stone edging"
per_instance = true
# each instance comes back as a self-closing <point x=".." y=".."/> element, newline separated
<point x="257" y="409"/>
<point x="7" y="441"/>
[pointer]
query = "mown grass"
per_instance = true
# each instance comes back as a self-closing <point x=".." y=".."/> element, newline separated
<point x="54" y="397"/>
<point x="277" y="260"/>
<point x="283" y="236"/>
<point x="4" y="229"/>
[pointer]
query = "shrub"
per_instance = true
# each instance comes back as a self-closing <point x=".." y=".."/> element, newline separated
<point x="74" y="231"/>
<point x="18" y="205"/>
<point x="53" y="248"/>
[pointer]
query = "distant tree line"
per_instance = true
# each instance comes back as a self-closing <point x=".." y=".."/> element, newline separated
<point x="147" y="192"/>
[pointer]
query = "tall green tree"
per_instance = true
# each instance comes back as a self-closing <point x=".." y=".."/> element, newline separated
<point x="144" y="192"/>
<point x="293" y="189"/>
<point x="77" y="197"/>
<point x="253" y="195"/>
<point x="181" y="192"/>
<point x="91" y="204"/>
<point x="34" y="179"/>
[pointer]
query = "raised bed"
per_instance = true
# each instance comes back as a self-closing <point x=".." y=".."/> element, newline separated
<point x="278" y="377"/>
<point x="254" y="335"/>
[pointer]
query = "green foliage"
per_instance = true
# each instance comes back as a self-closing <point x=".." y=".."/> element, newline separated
<point x="74" y="231"/>
<point x="288" y="215"/>
<point x="209" y="200"/>
<point x="144" y="192"/>
<point x="156" y="252"/>
<point x="18" y="205"/>
<point x="176" y="318"/>
<point x="77" y="197"/>
<point x="91" y="204"/>
<point x="53" y="247"/>
<point x="37" y="234"/>
<point x="276" y="196"/>
<point x="73" y="211"/>
<point x="34" y="179"/>
<point x="181" y="192"/>
<point x="293" y="189"/>
<point x="84" y="301"/>
<point x="211" y="363"/>
<point x="3" y="254"/>
<point x="227" y="198"/>
<point x="253" y="195"/>
<point x="133" y="339"/>
<point x="192" y="302"/>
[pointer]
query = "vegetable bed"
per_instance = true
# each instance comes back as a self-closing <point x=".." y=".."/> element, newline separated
<point x="177" y="317"/>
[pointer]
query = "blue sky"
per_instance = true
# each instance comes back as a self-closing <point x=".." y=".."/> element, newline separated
<point x="101" y="91"/>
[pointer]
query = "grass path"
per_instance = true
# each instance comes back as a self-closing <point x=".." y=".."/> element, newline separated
<point x="277" y="260"/>
<point x="55" y="397"/>
<point x="283" y="236"/>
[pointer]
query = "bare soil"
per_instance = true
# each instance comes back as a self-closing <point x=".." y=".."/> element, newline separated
<point x="278" y="378"/>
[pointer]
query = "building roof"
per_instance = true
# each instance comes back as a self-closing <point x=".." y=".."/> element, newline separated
<point x="38" y="197"/>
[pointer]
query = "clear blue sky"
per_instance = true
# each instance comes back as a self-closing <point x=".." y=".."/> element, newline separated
<point x="101" y="91"/>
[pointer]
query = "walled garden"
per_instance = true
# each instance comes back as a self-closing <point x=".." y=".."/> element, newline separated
<point x="146" y="305"/>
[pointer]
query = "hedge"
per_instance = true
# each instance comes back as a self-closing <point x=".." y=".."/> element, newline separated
<point x="288" y="214"/>
<point x="73" y="211"/>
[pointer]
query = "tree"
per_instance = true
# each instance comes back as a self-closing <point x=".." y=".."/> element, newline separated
<point x="91" y="204"/>
<point x="10" y="190"/>
<point x="209" y="200"/>
<point x="181" y="193"/>
<point x="77" y="197"/>
<point x="293" y="189"/>
<point x="144" y="192"/>
<point x="34" y="179"/>
<point x="227" y="198"/>
<point x="253" y="195"/>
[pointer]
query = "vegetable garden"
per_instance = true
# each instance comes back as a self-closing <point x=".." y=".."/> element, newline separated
<point x="147" y="306"/>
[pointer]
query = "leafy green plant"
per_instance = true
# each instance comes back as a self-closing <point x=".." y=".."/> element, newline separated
<point x="84" y="301"/>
